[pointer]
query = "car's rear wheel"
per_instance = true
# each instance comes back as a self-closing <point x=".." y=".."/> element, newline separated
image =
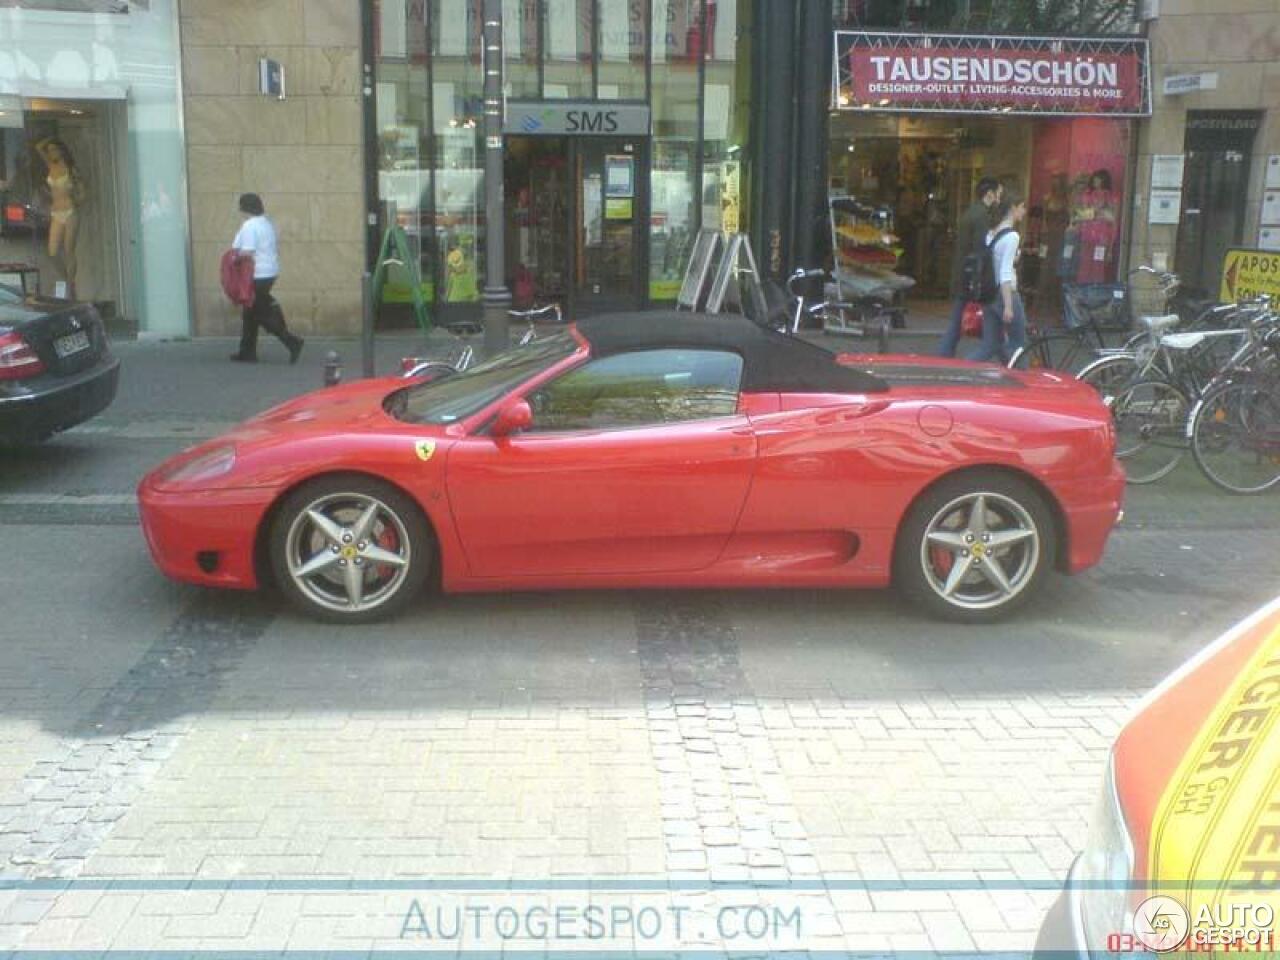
<point x="350" y="549"/>
<point x="975" y="547"/>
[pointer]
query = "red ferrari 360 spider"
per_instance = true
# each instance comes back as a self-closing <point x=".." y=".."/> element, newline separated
<point x="652" y="450"/>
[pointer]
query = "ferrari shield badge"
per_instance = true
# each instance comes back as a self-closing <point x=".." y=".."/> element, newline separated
<point x="425" y="449"/>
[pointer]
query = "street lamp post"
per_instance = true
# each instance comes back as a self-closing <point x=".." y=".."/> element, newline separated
<point x="497" y="298"/>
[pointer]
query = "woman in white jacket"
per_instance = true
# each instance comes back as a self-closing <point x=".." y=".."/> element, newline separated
<point x="1004" y="320"/>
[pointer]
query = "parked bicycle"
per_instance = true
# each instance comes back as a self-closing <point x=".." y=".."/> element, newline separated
<point x="1234" y="429"/>
<point x="1223" y="323"/>
<point x="1175" y="370"/>
<point x="1095" y="316"/>
<point x="538" y="321"/>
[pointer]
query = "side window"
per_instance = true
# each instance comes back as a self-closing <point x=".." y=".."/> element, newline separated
<point x="640" y="389"/>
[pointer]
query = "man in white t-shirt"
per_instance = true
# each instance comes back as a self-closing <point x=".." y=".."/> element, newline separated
<point x="257" y="238"/>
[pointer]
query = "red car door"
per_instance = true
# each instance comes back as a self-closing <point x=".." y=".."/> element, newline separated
<point x="635" y="463"/>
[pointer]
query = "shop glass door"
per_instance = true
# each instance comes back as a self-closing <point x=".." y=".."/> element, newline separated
<point x="606" y="239"/>
<point x="1215" y="187"/>
<point x="1215" y="190"/>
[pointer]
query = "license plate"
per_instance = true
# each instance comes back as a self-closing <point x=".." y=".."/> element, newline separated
<point x="72" y="343"/>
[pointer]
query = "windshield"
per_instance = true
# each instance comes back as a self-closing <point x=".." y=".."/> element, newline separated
<point x="459" y="396"/>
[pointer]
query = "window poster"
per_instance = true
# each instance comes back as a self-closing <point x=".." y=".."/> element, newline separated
<point x="1271" y="208"/>
<point x="619" y="176"/>
<point x="618" y="208"/>
<point x="1273" y="172"/>
<point x="1166" y="207"/>
<point x="591" y="210"/>
<point x="1166" y="171"/>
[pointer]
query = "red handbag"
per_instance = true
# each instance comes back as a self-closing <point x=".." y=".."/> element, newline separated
<point x="237" y="277"/>
<point x="971" y="320"/>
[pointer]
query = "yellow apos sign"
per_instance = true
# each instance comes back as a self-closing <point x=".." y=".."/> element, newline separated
<point x="731" y="197"/>
<point x="1250" y="273"/>
<point x="1215" y="842"/>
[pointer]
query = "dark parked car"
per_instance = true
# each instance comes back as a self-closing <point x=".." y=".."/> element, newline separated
<point x="56" y="369"/>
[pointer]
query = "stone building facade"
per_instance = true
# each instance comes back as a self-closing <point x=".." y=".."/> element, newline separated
<point x="1223" y="57"/>
<point x="303" y="154"/>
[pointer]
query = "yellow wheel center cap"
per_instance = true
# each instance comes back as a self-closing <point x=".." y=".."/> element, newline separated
<point x="349" y="553"/>
<point x="979" y="550"/>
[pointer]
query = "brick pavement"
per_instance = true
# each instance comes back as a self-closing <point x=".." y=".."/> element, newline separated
<point x="497" y="743"/>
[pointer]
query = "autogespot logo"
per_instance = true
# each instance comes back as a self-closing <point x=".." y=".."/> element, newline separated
<point x="1161" y="923"/>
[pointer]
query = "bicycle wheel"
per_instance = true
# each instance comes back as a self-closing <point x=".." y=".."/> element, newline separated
<point x="1235" y="436"/>
<point x="1057" y="351"/>
<point x="1151" y="423"/>
<point x="1110" y="375"/>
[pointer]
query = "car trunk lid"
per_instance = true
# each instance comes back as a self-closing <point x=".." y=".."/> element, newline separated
<point x="67" y="337"/>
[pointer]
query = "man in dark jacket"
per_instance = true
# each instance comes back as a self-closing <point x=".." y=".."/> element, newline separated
<point x="971" y="239"/>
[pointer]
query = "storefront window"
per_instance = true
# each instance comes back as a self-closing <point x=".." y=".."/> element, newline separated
<point x="457" y="111"/>
<point x="919" y="120"/>
<point x="430" y="168"/>
<point x="570" y="35"/>
<point x="1076" y="201"/>
<point x="724" y="120"/>
<point x="92" y="160"/>
<point x="919" y="174"/>
<point x="674" y="215"/>
<point x="623" y="25"/>
<point x="1081" y="17"/>
<point x="520" y="27"/>
<point x="404" y="151"/>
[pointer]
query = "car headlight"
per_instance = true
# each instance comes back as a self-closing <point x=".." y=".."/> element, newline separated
<point x="208" y="466"/>
<point x="1106" y="870"/>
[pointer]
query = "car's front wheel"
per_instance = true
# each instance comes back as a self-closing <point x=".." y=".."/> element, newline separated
<point x="350" y="549"/>
<point x="975" y="547"/>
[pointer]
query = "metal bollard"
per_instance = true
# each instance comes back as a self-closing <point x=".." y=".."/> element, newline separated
<point x="332" y="369"/>
<point x="882" y="337"/>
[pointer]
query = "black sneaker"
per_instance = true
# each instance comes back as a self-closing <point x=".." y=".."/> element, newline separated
<point x="295" y="349"/>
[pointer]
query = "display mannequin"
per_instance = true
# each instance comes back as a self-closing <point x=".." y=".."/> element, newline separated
<point x="1096" y="218"/>
<point x="66" y="197"/>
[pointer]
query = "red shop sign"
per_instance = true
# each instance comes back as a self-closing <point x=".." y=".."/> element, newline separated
<point x="972" y="74"/>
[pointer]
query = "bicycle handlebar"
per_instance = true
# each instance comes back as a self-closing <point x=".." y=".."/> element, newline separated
<point x="538" y="312"/>
<point x="1164" y="276"/>
<point x="801" y="274"/>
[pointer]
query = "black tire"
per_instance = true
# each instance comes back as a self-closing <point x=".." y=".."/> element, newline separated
<point x="1011" y="505"/>
<point x="1151" y="418"/>
<point x="1110" y="375"/>
<point x="1065" y="352"/>
<point x="398" y="528"/>
<point x="1235" y="437"/>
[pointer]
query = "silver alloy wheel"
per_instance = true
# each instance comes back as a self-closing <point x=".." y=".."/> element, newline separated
<point x="980" y="551"/>
<point x="348" y="552"/>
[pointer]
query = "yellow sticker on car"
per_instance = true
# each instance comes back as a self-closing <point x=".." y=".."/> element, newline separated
<point x="1215" y="842"/>
<point x="425" y="449"/>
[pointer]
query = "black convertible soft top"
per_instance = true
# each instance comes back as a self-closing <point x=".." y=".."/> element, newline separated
<point x="773" y="362"/>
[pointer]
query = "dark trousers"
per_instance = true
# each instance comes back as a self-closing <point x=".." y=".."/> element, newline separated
<point x="951" y="336"/>
<point x="1000" y="341"/>
<point x="265" y="313"/>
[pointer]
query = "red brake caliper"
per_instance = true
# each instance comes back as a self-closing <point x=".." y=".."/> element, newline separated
<point x="388" y="540"/>
<point x="943" y="560"/>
